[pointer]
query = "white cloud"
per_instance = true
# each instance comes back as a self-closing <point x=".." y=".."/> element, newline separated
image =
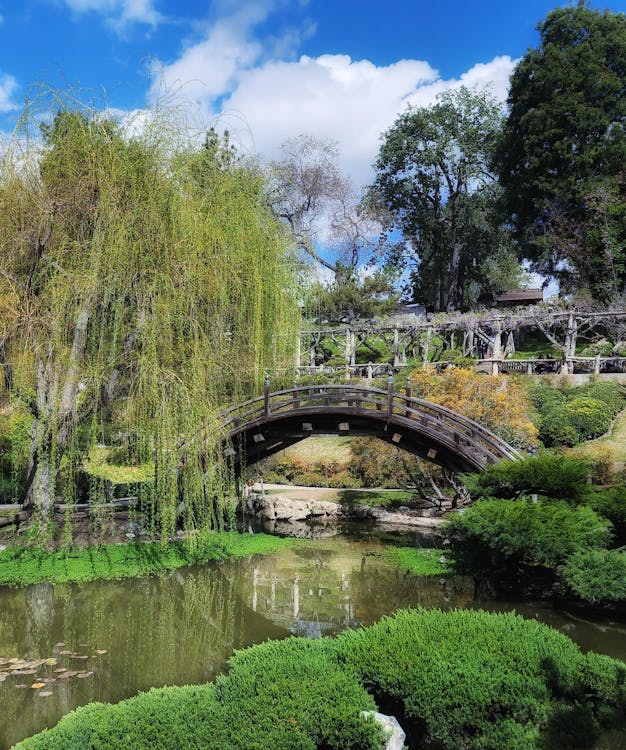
<point x="264" y="94"/>
<point x="8" y="87"/>
<point x="119" y="13"/>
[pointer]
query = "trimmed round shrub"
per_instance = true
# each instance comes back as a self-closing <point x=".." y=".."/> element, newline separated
<point x="472" y="679"/>
<point x="547" y="474"/>
<point x="577" y="414"/>
<point x="613" y="394"/>
<point x="465" y="680"/>
<point x="545" y="397"/>
<point x="501" y="537"/>
<point x="597" y="576"/>
<point x="590" y="417"/>
<point x="555" y="428"/>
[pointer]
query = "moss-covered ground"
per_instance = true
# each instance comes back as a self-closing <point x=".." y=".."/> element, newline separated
<point x="22" y="566"/>
<point x="420" y="561"/>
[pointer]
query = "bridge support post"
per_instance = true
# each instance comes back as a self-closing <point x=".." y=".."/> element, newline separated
<point x="389" y="396"/>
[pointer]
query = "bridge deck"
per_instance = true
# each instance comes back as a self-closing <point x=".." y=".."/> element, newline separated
<point x="400" y="418"/>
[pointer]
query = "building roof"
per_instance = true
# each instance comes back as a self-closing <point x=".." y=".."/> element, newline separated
<point x="520" y="295"/>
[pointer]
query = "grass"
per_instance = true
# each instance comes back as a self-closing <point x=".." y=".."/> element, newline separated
<point x="97" y="465"/>
<point x="22" y="566"/>
<point x="419" y="561"/>
<point x="319" y="449"/>
<point x="376" y="498"/>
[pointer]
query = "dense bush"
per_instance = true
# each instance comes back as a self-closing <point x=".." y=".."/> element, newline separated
<point x="611" y="503"/>
<point x="288" y="695"/>
<point x="567" y="417"/>
<point x="545" y="398"/>
<point x="500" y="404"/>
<point x="590" y="417"/>
<point x="471" y="679"/>
<point x="597" y="576"/>
<point x="613" y="394"/>
<point x="291" y="694"/>
<point x="502" y="537"/>
<point x="546" y="474"/>
<point x="463" y="679"/>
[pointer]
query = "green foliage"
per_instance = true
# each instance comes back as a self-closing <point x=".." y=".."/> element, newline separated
<point x="456" y="235"/>
<point x="351" y="298"/>
<point x="150" y="286"/>
<point x="15" y="438"/>
<point x="597" y="576"/>
<point x="568" y="417"/>
<point x="22" y="566"/>
<point x="546" y="474"/>
<point x="465" y="680"/>
<point x="420" y="561"/>
<point x="472" y="679"/>
<point x="612" y="394"/>
<point x="501" y="537"/>
<point x="589" y="417"/>
<point x="564" y="147"/>
<point x="545" y="397"/>
<point x="288" y="695"/>
<point x="611" y="504"/>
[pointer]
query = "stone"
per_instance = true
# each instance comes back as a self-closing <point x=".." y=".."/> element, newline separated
<point x="324" y="508"/>
<point x="391" y="725"/>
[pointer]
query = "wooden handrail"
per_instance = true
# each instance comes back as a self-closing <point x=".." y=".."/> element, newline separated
<point x="446" y="423"/>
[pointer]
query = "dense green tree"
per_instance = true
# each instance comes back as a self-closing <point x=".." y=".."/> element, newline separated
<point x="351" y="297"/>
<point x="434" y="183"/>
<point x="563" y="150"/>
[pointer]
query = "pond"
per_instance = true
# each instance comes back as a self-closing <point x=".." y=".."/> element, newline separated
<point x="105" y="640"/>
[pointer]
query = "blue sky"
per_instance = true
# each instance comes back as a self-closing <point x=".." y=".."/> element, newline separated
<point x="268" y="69"/>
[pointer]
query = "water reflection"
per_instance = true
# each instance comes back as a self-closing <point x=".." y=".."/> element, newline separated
<point x="182" y="627"/>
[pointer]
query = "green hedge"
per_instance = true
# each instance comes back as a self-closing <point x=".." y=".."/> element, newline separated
<point x="547" y="474"/>
<point x="500" y="537"/>
<point x="463" y="679"/>
<point x="611" y="503"/>
<point x="597" y="576"/>
<point x="473" y="679"/>
<point x="567" y="417"/>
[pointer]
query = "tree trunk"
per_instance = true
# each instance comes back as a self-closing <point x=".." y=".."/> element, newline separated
<point x="40" y="487"/>
<point x="454" y="272"/>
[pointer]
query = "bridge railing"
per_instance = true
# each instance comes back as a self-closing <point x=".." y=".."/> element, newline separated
<point x="445" y="425"/>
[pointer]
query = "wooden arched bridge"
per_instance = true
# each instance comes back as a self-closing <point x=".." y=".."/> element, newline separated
<point x="262" y="426"/>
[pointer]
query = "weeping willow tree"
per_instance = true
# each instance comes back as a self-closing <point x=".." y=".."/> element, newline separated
<point x="143" y="286"/>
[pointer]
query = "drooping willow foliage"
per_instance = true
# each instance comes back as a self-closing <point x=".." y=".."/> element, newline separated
<point x="144" y="285"/>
